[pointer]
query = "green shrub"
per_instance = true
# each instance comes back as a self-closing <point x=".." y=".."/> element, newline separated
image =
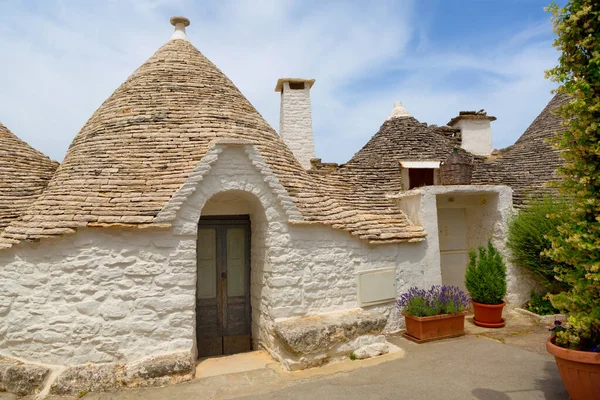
<point x="541" y="304"/>
<point x="527" y="239"/>
<point x="485" y="278"/>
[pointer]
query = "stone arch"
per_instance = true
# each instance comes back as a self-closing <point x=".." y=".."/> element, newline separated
<point x="234" y="185"/>
<point x="237" y="202"/>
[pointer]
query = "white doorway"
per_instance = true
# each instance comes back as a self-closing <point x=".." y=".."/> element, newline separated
<point x="454" y="250"/>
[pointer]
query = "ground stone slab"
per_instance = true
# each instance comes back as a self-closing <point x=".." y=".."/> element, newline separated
<point x="152" y="371"/>
<point x="160" y="370"/>
<point x="21" y="379"/>
<point x="79" y="379"/>
<point x="320" y="333"/>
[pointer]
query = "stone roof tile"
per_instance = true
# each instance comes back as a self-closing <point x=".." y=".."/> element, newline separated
<point x="147" y="137"/>
<point x="24" y="173"/>
<point x="531" y="163"/>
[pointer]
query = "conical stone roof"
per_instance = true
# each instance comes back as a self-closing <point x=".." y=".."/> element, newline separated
<point x="531" y="163"/>
<point x="24" y="174"/>
<point x="139" y="147"/>
<point x="376" y="167"/>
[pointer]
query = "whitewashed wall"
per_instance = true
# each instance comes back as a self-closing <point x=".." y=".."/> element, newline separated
<point x="97" y="296"/>
<point x="118" y="295"/>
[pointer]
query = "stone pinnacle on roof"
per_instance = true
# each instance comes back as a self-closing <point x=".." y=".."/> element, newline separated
<point x="398" y="111"/>
<point x="179" y="23"/>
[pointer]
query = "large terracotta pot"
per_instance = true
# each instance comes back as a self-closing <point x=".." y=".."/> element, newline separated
<point x="579" y="370"/>
<point x="488" y="315"/>
<point x="425" y="329"/>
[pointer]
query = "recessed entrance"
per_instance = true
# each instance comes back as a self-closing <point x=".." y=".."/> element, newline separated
<point x="454" y="249"/>
<point x="465" y="221"/>
<point x="223" y="312"/>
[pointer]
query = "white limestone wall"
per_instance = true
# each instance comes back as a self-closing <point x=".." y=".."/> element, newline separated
<point x="295" y="123"/>
<point x="119" y="295"/>
<point x="98" y="296"/>
<point x="300" y="269"/>
<point x="322" y="266"/>
<point x="476" y="136"/>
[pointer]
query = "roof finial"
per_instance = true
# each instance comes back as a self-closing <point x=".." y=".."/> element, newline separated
<point x="398" y="111"/>
<point x="179" y="23"/>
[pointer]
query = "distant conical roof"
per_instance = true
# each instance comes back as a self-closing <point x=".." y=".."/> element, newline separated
<point x="143" y="142"/>
<point x="531" y="163"/>
<point x="400" y="138"/>
<point x="24" y="174"/>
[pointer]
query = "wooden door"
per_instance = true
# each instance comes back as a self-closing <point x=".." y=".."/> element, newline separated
<point x="223" y="314"/>
<point x="454" y="252"/>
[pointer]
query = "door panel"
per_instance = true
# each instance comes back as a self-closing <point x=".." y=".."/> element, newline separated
<point x="236" y="262"/>
<point x="207" y="264"/>
<point x="209" y="329"/>
<point x="223" y="295"/>
<point x="454" y="252"/>
<point x="452" y="225"/>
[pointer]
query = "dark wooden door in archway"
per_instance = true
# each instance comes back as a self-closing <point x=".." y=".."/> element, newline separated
<point x="223" y="313"/>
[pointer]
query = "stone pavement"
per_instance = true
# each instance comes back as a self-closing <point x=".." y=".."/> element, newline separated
<point x="502" y="364"/>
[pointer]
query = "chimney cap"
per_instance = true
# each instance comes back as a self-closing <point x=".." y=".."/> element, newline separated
<point x="180" y="20"/>
<point x="481" y="114"/>
<point x="280" y="81"/>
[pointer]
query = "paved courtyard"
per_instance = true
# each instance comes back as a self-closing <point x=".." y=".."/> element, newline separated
<point x="509" y="363"/>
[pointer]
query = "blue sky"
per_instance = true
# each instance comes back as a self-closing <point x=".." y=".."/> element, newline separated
<point x="62" y="58"/>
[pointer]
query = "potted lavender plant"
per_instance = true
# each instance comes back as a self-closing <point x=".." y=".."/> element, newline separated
<point x="437" y="313"/>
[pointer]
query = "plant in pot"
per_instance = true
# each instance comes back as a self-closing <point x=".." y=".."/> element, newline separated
<point x="437" y="313"/>
<point x="485" y="280"/>
<point x="576" y="241"/>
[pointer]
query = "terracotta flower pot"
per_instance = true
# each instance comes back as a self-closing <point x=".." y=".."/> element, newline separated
<point x="488" y="315"/>
<point x="425" y="329"/>
<point x="579" y="370"/>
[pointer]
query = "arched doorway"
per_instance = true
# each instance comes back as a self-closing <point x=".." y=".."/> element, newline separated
<point x="224" y="289"/>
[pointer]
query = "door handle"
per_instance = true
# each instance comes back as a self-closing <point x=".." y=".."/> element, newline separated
<point x="223" y="275"/>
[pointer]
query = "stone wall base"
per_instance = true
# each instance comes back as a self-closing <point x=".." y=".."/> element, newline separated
<point x="20" y="378"/>
<point x="312" y="341"/>
<point x="24" y="379"/>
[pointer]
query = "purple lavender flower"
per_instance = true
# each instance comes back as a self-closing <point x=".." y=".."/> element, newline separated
<point x="437" y="300"/>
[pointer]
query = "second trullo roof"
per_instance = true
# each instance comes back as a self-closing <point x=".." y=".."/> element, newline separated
<point x="139" y="147"/>
<point x="24" y="173"/>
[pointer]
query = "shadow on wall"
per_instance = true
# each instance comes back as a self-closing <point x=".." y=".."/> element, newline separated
<point x="551" y="386"/>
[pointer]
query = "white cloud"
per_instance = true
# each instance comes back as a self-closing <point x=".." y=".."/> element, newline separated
<point x="63" y="59"/>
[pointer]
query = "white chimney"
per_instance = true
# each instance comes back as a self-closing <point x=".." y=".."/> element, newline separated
<point x="295" y="121"/>
<point x="475" y="130"/>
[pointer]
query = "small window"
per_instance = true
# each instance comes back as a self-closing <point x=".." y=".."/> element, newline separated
<point x="296" y="85"/>
<point x="418" y="177"/>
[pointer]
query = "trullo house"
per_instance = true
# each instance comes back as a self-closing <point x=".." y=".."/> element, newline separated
<point x="181" y="225"/>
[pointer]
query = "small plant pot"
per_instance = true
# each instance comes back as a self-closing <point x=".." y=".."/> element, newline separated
<point x="435" y="327"/>
<point x="488" y="315"/>
<point x="579" y="370"/>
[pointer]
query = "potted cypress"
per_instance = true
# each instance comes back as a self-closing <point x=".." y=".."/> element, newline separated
<point x="437" y="313"/>
<point x="485" y="280"/>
